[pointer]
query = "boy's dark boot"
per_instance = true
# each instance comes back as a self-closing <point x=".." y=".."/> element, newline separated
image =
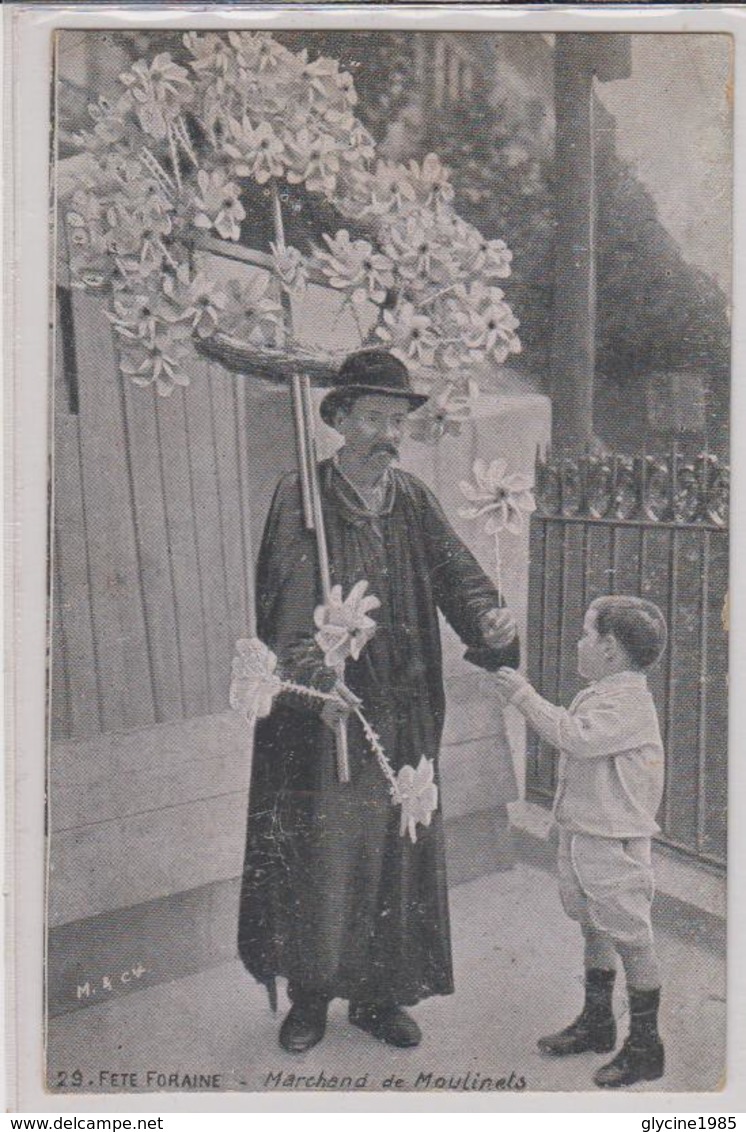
<point x="641" y="1057"/>
<point x="594" y="1028"/>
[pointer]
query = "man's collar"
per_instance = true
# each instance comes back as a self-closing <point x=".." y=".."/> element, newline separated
<point x="348" y="500"/>
<point x="384" y="488"/>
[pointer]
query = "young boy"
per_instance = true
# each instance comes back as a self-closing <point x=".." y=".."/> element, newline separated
<point x="609" y="788"/>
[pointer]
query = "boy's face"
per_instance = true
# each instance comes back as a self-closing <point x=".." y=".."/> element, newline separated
<point x="593" y="661"/>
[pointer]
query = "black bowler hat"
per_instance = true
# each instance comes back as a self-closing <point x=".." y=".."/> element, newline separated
<point x="370" y="371"/>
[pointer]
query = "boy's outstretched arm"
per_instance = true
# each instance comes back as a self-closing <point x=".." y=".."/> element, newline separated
<point x="602" y="725"/>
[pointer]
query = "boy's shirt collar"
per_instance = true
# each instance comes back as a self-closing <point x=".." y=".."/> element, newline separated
<point x="629" y="678"/>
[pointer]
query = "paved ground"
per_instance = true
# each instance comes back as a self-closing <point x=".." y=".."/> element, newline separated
<point x="517" y="976"/>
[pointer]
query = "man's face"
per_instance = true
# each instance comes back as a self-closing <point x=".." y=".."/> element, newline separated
<point x="373" y="429"/>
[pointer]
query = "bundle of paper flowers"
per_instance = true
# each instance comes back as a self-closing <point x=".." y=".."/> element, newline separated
<point x="343" y="630"/>
<point x="170" y="158"/>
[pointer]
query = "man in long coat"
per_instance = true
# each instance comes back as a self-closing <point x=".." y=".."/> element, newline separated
<point x="333" y="898"/>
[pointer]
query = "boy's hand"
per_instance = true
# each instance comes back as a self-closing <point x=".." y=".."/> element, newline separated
<point x="508" y="682"/>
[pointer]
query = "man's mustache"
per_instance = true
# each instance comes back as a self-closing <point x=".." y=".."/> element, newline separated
<point x="390" y="449"/>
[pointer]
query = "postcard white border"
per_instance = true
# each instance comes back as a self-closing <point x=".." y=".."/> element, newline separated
<point x="28" y="31"/>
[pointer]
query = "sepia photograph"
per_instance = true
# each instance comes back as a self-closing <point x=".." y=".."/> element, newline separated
<point x="388" y="549"/>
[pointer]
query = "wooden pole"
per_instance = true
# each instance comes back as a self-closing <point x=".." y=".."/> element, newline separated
<point x="314" y="520"/>
<point x="579" y="59"/>
<point x="572" y="358"/>
<point x="301" y="441"/>
<point x="313" y="477"/>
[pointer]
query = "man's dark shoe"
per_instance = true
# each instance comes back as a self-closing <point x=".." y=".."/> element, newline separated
<point x="586" y="1033"/>
<point x="633" y="1063"/>
<point x="304" y="1025"/>
<point x="389" y="1024"/>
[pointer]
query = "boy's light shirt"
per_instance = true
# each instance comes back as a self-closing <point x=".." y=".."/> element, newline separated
<point x="610" y="779"/>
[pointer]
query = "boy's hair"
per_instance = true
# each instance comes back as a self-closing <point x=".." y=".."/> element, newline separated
<point x="638" y="625"/>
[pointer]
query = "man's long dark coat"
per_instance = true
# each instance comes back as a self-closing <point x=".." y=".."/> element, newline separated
<point x="333" y="898"/>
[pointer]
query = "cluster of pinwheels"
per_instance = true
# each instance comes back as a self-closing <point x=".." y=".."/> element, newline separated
<point x="170" y="158"/>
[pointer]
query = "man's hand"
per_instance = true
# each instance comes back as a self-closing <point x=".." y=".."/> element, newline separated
<point x="337" y="710"/>
<point x="508" y="682"/>
<point x="498" y="628"/>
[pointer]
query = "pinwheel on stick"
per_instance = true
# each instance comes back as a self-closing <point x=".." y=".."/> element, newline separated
<point x="504" y="498"/>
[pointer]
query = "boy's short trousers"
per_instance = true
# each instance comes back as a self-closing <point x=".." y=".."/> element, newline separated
<point x="607" y="884"/>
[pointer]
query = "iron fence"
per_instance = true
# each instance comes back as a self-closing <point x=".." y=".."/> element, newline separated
<point x="656" y="528"/>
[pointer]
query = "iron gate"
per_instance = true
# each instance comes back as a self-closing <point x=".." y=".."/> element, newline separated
<point x="658" y="529"/>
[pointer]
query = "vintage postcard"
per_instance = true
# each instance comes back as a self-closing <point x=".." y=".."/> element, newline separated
<point x="388" y="559"/>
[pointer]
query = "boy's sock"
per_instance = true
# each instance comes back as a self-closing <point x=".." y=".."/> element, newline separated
<point x="594" y="1028"/>
<point x="641" y="1058"/>
<point x="600" y="951"/>
<point x="641" y="966"/>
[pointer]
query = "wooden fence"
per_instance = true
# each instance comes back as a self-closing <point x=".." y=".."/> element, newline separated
<point x="656" y="529"/>
<point x="152" y="533"/>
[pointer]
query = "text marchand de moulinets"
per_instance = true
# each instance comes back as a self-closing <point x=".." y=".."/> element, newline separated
<point x="461" y="1082"/>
